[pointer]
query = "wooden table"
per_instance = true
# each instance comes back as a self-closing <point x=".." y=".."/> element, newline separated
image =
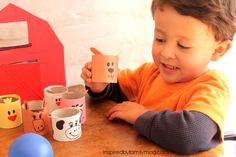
<point x="100" y="137"/>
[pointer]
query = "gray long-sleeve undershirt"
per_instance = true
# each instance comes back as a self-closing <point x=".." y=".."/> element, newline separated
<point x="184" y="132"/>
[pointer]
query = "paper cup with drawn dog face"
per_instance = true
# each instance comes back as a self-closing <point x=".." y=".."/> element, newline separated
<point x="35" y="117"/>
<point x="104" y="68"/>
<point x="10" y="111"/>
<point x="77" y="100"/>
<point x="66" y="124"/>
<point x="53" y="95"/>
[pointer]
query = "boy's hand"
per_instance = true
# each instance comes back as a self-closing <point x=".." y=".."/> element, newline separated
<point x="86" y="75"/>
<point x="128" y="111"/>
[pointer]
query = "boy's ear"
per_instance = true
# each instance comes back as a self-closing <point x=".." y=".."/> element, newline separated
<point x="220" y="49"/>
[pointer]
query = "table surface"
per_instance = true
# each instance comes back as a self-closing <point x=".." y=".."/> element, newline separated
<point x="100" y="137"/>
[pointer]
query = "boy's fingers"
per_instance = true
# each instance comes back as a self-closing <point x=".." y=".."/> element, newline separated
<point x="87" y="80"/>
<point x="114" y="115"/>
<point x="82" y="75"/>
<point x="113" y="109"/>
<point x="86" y="72"/>
<point x="108" y="114"/>
<point x="88" y="65"/>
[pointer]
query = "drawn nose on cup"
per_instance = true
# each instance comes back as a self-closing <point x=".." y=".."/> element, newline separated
<point x="110" y="70"/>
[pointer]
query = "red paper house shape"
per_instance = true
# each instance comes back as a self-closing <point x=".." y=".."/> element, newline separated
<point x="26" y="69"/>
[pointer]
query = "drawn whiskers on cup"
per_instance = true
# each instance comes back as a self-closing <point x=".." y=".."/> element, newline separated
<point x="111" y="76"/>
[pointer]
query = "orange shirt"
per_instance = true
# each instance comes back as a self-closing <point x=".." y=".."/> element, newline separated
<point x="208" y="94"/>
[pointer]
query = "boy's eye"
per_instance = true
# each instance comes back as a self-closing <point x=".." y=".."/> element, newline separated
<point x="160" y="40"/>
<point x="183" y="47"/>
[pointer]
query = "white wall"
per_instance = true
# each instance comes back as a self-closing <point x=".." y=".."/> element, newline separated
<point x="227" y="65"/>
<point x="113" y="26"/>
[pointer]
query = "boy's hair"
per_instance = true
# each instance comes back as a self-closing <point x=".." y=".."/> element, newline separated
<point x="220" y="15"/>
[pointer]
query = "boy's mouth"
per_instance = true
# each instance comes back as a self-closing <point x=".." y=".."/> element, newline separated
<point x="170" y="67"/>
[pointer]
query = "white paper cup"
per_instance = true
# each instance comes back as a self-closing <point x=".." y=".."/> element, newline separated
<point x="53" y="95"/>
<point x="66" y="124"/>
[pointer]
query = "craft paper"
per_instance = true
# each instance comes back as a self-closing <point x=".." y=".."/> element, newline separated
<point x="35" y="117"/>
<point x="66" y="124"/>
<point x="53" y="95"/>
<point x="22" y="78"/>
<point x="104" y="68"/>
<point x="13" y="34"/>
<point x="44" y="46"/>
<point x="10" y="111"/>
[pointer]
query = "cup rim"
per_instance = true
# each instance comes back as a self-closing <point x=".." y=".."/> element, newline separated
<point x="73" y="96"/>
<point x="14" y="98"/>
<point x="65" y="112"/>
<point x="34" y="105"/>
<point x="55" y="89"/>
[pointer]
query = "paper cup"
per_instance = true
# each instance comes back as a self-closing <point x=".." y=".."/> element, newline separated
<point x="66" y="124"/>
<point x="53" y="95"/>
<point x="10" y="111"/>
<point x="75" y="100"/>
<point x="35" y="117"/>
<point x="104" y="68"/>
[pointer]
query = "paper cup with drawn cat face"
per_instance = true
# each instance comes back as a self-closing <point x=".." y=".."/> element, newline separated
<point x="35" y="117"/>
<point x="104" y="68"/>
<point x="10" y="111"/>
<point x="74" y="99"/>
<point x="53" y="95"/>
<point x="66" y="124"/>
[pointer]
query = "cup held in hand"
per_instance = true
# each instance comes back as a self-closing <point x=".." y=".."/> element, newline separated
<point x="104" y="68"/>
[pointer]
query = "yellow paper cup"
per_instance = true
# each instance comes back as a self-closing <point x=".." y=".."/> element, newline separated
<point x="10" y="111"/>
<point x="104" y="68"/>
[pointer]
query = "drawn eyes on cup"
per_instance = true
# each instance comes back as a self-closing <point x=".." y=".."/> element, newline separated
<point x="9" y="112"/>
<point x="35" y="117"/>
<point x="58" y="100"/>
<point x="110" y="64"/>
<point x="78" y="105"/>
<point x="71" y="124"/>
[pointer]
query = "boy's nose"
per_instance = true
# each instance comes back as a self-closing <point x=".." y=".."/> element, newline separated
<point x="168" y="52"/>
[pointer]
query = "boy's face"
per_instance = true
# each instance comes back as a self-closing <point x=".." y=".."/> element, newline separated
<point x="182" y="46"/>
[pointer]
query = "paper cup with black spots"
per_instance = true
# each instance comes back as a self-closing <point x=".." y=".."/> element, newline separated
<point x="10" y="111"/>
<point x="35" y="117"/>
<point x="66" y="124"/>
<point x="53" y="95"/>
<point x="104" y="68"/>
<point x="77" y="100"/>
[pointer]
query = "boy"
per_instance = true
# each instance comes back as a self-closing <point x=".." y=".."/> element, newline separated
<point x="176" y="101"/>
